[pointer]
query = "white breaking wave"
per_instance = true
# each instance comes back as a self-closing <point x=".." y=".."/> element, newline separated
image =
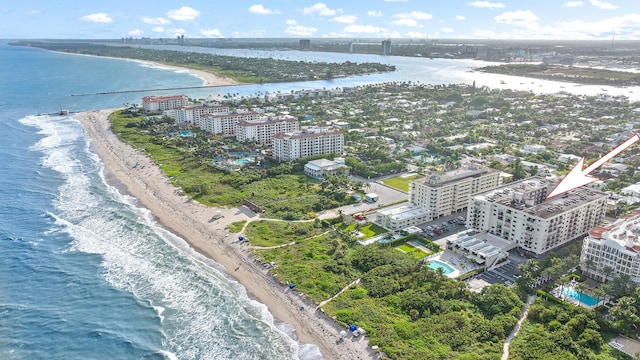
<point x="201" y="312"/>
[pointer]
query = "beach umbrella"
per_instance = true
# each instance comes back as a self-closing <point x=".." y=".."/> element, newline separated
<point x="240" y="238"/>
<point x="352" y="327"/>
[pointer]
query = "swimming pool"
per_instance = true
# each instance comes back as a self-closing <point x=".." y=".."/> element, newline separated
<point x="242" y="161"/>
<point x="575" y="294"/>
<point x="435" y="265"/>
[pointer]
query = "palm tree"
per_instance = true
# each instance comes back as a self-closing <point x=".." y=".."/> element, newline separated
<point x="581" y="287"/>
<point x="607" y="271"/>
<point x="588" y="262"/>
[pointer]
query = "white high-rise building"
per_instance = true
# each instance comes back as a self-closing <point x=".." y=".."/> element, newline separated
<point x="162" y="103"/>
<point x="518" y="212"/>
<point x="263" y="130"/>
<point x="445" y="193"/>
<point x="313" y="141"/>
<point x="615" y="246"/>
<point x="191" y="115"/>
<point x="225" y="124"/>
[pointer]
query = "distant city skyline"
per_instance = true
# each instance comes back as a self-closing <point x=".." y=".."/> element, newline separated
<point x="418" y="19"/>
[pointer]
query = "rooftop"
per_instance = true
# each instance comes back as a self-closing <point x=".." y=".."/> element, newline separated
<point x="625" y="232"/>
<point x="529" y="195"/>
<point x="403" y="211"/>
<point x="442" y="178"/>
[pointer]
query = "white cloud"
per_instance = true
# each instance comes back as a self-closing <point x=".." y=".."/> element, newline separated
<point x="411" y="19"/>
<point x="321" y="9"/>
<point x="573" y="4"/>
<point x="460" y="17"/>
<point x="211" y="33"/>
<point x="175" y="32"/>
<point x="136" y="32"/>
<point x="97" y="18"/>
<point x="300" y="30"/>
<point x="625" y="26"/>
<point x="486" y="4"/>
<point x="346" y="19"/>
<point x="417" y="15"/>
<point x="405" y="22"/>
<point x="290" y="22"/>
<point x="518" y="18"/>
<point x="374" y="13"/>
<point x="446" y="30"/>
<point x="185" y="13"/>
<point x="155" y="21"/>
<point x="261" y="10"/>
<point x="158" y="29"/>
<point x="603" y="5"/>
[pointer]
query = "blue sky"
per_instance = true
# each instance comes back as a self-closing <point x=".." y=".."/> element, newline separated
<point x="504" y="19"/>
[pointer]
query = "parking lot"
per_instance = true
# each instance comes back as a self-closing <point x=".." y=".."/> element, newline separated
<point x="505" y="274"/>
<point x="444" y="227"/>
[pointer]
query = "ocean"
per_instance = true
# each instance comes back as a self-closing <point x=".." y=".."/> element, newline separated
<point x="85" y="272"/>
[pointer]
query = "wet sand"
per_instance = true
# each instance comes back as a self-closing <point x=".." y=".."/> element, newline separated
<point x="194" y="223"/>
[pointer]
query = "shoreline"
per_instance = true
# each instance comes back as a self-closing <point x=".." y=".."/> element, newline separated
<point x="193" y="223"/>
<point x="209" y="79"/>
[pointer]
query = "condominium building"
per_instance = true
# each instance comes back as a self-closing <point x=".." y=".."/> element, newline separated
<point x="518" y="212"/>
<point x="226" y="123"/>
<point x="612" y="250"/>
<point x="263" y="130"/>
<point x="191" y="115"/>
<point x="312" y="141"/>
<point x="162" y="103"/>
<point x="322" y="168"/>
<point x="445" y="193"/>
<point x="402" y="216"/>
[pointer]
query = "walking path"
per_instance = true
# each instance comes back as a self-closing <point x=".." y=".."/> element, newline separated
<point x="516" y="329"/>
<point x="356" y="281"/>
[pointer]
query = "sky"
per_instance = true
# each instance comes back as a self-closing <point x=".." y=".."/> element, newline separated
<point x="419" y="19"/>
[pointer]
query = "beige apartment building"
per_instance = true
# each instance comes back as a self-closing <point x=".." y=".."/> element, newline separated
<point x="445" y="193"/>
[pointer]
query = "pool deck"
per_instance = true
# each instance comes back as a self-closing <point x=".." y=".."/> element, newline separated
<point x="557" y="293"/>
<point x="459" y="264"/>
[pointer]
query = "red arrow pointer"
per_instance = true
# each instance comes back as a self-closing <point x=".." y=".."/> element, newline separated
<point x="578" y="177"/>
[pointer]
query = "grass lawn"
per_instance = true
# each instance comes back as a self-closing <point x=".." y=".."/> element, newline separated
<point x="236" y="226"/>
<point x="370" y="230"/>
<point x="399" y="182"/>
<point x="302" y="263"/>
<point x="272" y="233"/>
<point x="415" y="252"/>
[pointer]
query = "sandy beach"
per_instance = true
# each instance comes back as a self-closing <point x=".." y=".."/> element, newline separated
<point x="193" y="222"/>
<point x="209" y="79"/>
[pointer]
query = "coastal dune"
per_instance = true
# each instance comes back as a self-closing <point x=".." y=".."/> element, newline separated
<point x="132" y="170"/>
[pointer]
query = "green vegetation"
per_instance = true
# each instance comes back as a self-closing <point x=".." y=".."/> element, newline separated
<point x="235" y="227"/>
<point x="580" y="75"/>
<point x="413" y="251"/>
<point x="400" y="182"/>
<point x="557" y="330"/>
<point x="369" y="230"/>
<point x="187" y="162"/>
<point x="414" y="312"/>
<point x="272" y="233"/>
<point x="248" y="70"/>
